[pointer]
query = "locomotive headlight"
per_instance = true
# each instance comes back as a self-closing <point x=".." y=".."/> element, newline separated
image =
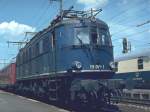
<point x="77" y="65"/>
<point x="112" y="65"/>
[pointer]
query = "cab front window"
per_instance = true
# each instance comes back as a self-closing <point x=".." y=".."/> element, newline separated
<point x="100" y="36"/>
<point x="92" y="35"/>
<point x="104" y="37"/>
<point x="81" y="36"/>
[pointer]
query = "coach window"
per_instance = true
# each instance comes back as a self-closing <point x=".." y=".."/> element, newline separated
<point x="128" y="95"/>
<point x="116" y="67"/>
<point x="145" y="96"/>
<point x="140" y="63"/>
<point x="136" y="95"/>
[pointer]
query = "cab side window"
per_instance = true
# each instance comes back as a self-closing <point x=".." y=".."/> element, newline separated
<point x="104" y="37"/>
<point x="94" y="36"/>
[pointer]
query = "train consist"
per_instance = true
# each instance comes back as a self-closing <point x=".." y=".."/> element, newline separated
<point x="68" y="62"/>
<point x="137" y="94"/>
<point x="134" y="69"/>
<point x="8" y="75"/>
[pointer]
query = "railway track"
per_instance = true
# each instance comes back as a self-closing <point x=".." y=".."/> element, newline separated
<point x="132" y="105"/>
<point x="132" y="101"/>
<point x="127" y="107"/>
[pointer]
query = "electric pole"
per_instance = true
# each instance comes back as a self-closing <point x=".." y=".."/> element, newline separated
<point x="3" y="63"/>
<point x="18" y="43"/>
<point x="126" y="46"/>
<point x="30" y="33"/>
<point x="60" y="5"/>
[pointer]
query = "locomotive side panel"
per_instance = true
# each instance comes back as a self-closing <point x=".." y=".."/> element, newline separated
<point x="38" y="58"/>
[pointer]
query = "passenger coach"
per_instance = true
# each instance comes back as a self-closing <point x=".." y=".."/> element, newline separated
<point x="134" y="68"/>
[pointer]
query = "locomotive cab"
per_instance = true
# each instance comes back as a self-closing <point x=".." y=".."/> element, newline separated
<point x="85" y="48"/>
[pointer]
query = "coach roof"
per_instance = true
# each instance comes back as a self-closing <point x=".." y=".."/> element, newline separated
<point x="133" y="55"/>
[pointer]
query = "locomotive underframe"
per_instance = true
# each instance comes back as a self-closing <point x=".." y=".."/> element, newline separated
<point x="58" y="89"/>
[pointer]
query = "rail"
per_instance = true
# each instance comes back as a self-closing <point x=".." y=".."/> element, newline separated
<point x="144" y="102"/>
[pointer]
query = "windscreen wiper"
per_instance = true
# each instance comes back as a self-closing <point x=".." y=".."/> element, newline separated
<point x="81" y="43"/>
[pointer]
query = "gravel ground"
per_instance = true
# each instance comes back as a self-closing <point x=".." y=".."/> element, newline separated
<point x="14" y="103"/>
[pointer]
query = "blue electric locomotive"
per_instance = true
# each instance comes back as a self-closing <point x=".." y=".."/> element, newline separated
<point x="68" y="61"/>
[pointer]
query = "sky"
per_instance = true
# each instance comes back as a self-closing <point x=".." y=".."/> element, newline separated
<point x="122" y="17"/>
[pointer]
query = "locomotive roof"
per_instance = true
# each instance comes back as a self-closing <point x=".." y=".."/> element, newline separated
<point x="71" y="17"/>
<point x="86" y="20"/>
<point x="76" y="21"/>
<point x="133" y="55"/>
<point x="65" y="22"/>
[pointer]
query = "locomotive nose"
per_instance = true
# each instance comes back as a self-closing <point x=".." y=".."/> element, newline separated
<point x="88" y="92"/>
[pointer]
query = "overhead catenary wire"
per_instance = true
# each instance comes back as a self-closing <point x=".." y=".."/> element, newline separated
<point x="53" y="13"/>
<point x="133" y="34"/>
<point x="132" y="22"/>
<point x="41" y="16"/>
<point x="137" y="44"/>
<point x="144" y="23"/>
<point x="131" y="27"/>
<point x="124" y="18"/>
<point x="124" y="11"/>
<point x="47" y="19"/>
<point x="37" y="12"/>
